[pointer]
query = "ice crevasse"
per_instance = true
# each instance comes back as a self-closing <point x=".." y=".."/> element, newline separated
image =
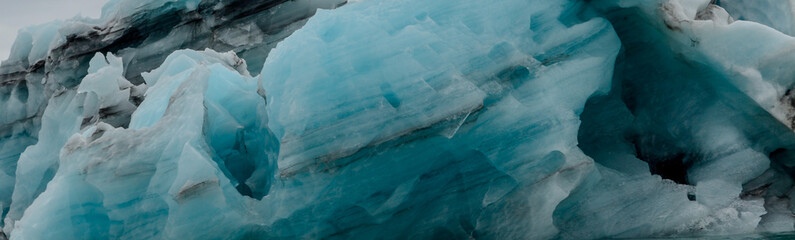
<point x="513" y="119"/>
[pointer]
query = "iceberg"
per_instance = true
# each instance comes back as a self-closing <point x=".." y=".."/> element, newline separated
<point x="775" y="14"/>
<point x="164" y="177"/>
<point x="709" y="120"/>
<point x="396" y="119"/>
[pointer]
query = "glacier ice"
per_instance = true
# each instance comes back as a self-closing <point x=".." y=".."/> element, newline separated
<point x="507" y="105"/>
<point x="103" y="96"/>
<point x="160" y="174"/>
<point x="775" y="14"/>
<point x="722" y="129"/>
<point x="394" y="119"/>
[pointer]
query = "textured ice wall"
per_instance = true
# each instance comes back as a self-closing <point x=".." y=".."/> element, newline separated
<point x="54" y="57"/>
<point x="371" y="134"/>
<point x="51" y="60"/>
<point x="421" y="119"/>
<point x="700" y="99"/>
<point x="163" y="179"/>
<point x="105" y="90"/>
<point x="774" y="13"/>
<point x="398" y="119"/>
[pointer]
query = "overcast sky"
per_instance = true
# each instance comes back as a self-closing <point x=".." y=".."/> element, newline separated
<point x="16" y="14"/>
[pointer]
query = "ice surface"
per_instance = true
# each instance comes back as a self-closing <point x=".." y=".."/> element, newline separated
<point x="392" y="126"/>
<point x="53" y="58"/>
<point x="156" y="181"/>
<point x="773" y="13"/>
<point x="447" y="83"/>
<point x="70" y="110"/>
<point x="395" y="119"/>
<point x="698" y="119"/>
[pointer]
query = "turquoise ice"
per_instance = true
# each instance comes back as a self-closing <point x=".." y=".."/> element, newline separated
<point x="401" y="119"/>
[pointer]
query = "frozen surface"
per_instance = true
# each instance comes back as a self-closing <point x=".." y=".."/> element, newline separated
<point x="396" y="119"/>
<point x="159" y="180"/>
<point x="393" y="126"/>
<point x="777" y="14"/>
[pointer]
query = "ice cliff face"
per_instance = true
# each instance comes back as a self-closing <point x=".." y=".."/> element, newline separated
<point x="394" y="119"/>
